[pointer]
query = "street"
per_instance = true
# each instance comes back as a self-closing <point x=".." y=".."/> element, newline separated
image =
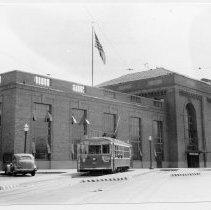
<point x="189" y="188"/>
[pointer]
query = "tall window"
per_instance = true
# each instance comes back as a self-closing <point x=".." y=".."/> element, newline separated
<point x="191" y="127"/>
<point x="0" y="125"/>
<point x="80" y="124"/>
<point x="0" y="114"/>
<point x="135" y="137"/>
<point x="79" y="118"/>
<point x="110" y="121"/>
<point x="42" y="119"/>
<point x="158" y="138"/>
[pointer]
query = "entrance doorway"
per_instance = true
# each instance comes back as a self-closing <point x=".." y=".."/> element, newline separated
<point x="193" y="160"/>
<point x="159" y="160"/>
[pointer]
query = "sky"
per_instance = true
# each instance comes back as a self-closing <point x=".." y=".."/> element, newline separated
<point x="56" y="38"/>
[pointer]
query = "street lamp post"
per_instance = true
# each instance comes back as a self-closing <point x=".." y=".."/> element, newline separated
<point x="150" y="151"/>
<point x="26" y="129"/>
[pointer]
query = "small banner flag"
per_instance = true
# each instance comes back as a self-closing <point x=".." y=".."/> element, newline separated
<point x="48" y="148"/>
<point x="74" y="120"/>
<point x="100" y="49"/>
<point x="155" y="154"/>
<point x="141" y="155"/>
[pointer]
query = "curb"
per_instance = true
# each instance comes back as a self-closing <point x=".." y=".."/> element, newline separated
<point x="73" y="175"/>
<point x="104" y="179"/>
<point x="76" y="174"/>
<point x="186" y="174"/>
<point x="50" y="172"/>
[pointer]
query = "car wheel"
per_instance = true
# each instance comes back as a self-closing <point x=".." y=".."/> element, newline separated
<point x="13" y="173"/>
<point x="5" y="171"/>
<point x="23" y="174"/>
<point x="33" y="173"/>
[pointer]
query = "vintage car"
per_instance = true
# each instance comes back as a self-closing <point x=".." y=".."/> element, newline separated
<point x="21" y="164"/>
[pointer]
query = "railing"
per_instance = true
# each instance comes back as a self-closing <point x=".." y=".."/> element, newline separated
<point x="109" y="94"/>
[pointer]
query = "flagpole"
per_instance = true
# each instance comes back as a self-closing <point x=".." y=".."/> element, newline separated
<point x="92" y="53"/>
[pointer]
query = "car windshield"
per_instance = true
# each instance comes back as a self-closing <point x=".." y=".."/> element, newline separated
<point x="25" y="157"/>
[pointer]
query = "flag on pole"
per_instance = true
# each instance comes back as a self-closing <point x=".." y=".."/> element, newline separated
<point x="100" y="49"/>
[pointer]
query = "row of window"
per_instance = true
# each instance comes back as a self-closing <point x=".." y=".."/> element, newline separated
<point x="94" y="149"/>
<point x="109" y="94"/>
<point x="153" y="93"/>
<point x="42" y="119"/>
<point x="121" y="152"/>
<point x="135" y="99"/>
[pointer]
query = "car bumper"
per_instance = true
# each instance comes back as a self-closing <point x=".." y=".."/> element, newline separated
<point x="24" y="170"/>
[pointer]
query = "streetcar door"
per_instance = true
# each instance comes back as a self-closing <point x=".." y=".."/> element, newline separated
<point x="193" y="160"/>
<point x="113" y="155"/>
<point x="78" y="157"/>
<point x="159" y="160"/>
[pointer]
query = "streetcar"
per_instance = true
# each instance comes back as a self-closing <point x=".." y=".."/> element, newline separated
<point x="103" y="154"/>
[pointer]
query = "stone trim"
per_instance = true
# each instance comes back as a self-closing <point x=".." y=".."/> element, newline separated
<point x="190" y="95"/>
<point x="110" y="94"/>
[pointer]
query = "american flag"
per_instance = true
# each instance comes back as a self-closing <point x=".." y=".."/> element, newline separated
<point x="100" y="49"/>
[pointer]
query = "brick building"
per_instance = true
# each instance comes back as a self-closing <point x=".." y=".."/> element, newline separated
<point x="174" y="109"/>
<point x="60" y="113"/>
<point x="188" y="112"/>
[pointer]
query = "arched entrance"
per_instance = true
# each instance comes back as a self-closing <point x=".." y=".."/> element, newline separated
<point x="191" y="136"/>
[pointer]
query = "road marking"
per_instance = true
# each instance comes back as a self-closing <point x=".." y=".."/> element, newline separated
<point x="8" y="187"/>
<point x="104" y="179"/>
<point x="185" y="174"/>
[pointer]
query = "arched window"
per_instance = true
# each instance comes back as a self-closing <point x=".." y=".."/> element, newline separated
<point x="191" y="127"/>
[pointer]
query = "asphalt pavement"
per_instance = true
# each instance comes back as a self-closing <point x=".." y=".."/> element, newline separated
<point x="10" y="182"/>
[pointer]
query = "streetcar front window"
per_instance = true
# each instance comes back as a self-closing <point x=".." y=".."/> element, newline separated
<point x="94" y="149"/>
<point x="84" y="149"/>
<point x="106" y="149"/>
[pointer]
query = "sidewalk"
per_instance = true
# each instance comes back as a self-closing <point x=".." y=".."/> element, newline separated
<point x="53" y="171"/>
<point x="74" y="171"/>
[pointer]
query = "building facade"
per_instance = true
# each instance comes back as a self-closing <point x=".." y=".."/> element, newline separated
<point x="188" y="112"/>
<point x="59" y="114"/>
